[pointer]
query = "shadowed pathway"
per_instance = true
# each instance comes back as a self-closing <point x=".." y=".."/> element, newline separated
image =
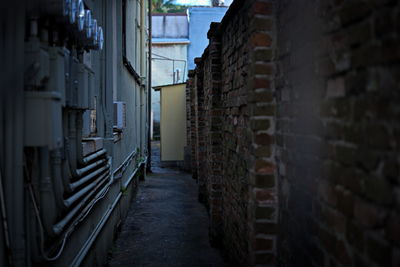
<point x="166" y="226"/>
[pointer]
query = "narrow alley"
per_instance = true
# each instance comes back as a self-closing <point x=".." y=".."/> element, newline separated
<point x="166" y="225"/>
<point x="271" y="129"/>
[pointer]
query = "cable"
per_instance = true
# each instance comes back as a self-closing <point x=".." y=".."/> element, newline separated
<point x="39" y="220"/>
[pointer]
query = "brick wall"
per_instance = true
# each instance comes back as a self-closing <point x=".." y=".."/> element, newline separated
<point x="236" y="176"/>
<point x="337" y="91"/>
<point x="297" y="126"/>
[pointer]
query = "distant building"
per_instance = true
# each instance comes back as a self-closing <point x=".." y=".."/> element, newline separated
<point x="170" y="38"/>
<point x="176" y="40"/>
<point x="193" y="2"/>
<point x="202" y="2"/>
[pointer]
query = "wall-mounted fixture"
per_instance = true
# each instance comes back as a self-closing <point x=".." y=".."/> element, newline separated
<point x="119" y="115"/>
<point x="100" y="39"/>
<point x="80" y="15"/>
<point x="42" y="119"/>
<point x="73" y="11"/>
<point x="70" y="16"/>
<point x="95" y="32"/>
<point x="88" y="24"/>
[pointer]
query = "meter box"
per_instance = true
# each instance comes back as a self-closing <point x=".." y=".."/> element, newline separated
<point x="43" y="119"/>
<point x="57" y="72"/>
<point x="36" y="64"/>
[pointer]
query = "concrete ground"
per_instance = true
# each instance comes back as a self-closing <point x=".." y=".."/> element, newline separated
<point x="166" y="226"/>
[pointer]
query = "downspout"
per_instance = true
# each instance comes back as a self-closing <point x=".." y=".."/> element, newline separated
<point x="72" y="141"/>
<point x="148" y="165"/>
<point x="48" y="206"/>
<point x="56" y="174"/>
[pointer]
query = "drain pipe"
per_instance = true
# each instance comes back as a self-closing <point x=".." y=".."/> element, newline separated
<point x="48" y="207"/>
<point x="148" y="165"/>
<point x="67" y="172"/>
<point x="56" y="173"/>
<point x="72" y="141"/>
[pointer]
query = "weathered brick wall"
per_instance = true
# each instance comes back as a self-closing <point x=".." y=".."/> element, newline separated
<point x="191" y="118"/>
<point x="337" y="133"/>
<point x="298" y="115"/>
<point x="237" y="176"/>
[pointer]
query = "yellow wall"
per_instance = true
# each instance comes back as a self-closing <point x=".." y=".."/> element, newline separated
<point x="173" y="122"/>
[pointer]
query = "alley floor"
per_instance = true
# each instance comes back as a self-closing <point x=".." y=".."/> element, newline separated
<point x="166" y="225"/>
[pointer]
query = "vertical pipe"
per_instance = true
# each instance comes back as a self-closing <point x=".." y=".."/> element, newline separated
<point x="72" y="140"/>
<point x="56" y="174"/>
<point x="149" y="90"/>
<point x="48" y="208"/>
<point x="79" y="126"/>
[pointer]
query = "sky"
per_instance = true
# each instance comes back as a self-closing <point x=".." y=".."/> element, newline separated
<point x="193" y="2"/>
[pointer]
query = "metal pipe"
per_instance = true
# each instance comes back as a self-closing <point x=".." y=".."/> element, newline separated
<point x="56" y="174"/>
<point x="71" y="200"/>
<point x="48" y="207"/>
<point x="67" y="173"/>
<point x="126" y="184"/>
<point x="93" y="156"/>
<point x="93" y="236"/>
<point x="87" y="177"/>
<point x="59" y="227"/>
<point x="129" y="157"/>
<point x="72" y="141"/>
<point x="79" y="126"/>
<point x="149" y="94"/>
<point x="90" y="167"/>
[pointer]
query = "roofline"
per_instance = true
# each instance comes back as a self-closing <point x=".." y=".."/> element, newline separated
<point x="181" y="14"/>
<point x="170" y="43"/>
<point x="158" y="87"/>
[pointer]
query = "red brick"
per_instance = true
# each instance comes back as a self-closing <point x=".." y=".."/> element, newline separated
<point x="261" y="39"/>
<point x="263" y="8"/>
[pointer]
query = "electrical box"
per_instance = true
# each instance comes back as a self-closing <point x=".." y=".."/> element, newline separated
<point x="57" y="71"/>
<point x="119" y="115"/>
<point x="36" y="64"/>
<point x="43" y="119"/>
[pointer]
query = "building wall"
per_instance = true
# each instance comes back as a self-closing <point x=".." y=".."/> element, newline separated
<point x="169" y="52"/>
<point x="164" y="69"/>
<point x="174" y="25"/>
<point x="305" y="98"/>
<point x="173" y="122"/>
<point x="37" y="176"/>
